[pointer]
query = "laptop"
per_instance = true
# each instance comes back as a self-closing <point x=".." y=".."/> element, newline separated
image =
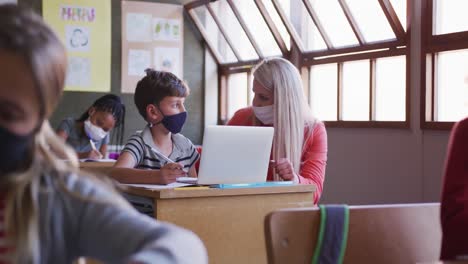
<point x="234" y="154"/>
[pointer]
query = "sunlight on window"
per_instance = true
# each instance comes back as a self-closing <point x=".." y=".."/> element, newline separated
<point x="452" y="85"/>
<point x="371" y="20"/>
<point x="450" y="16"/>
<point x="214" y="35"/>
<point x="234" y="30"/>
<point x="356" y="91"/>
<point x="323" y="91"/>
<point x="400" y="8"/>
<point x="254" y="20"/>
<point x="286" y="5"/>
<point x="237" y="92"/>
<point x="390" y="91"/>
<point x="334" y="21"/>
<point x="310" y="35"/>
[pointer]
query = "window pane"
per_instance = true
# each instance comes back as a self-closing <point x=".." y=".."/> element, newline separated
<point x="356" y="91"/>
<point x="323" y="91"/>
<point x="452" y="85"/>
<point x="214" y="35"/>
<point x="234" y="30"/>
<point x="237" y="92"/>
<point x="390" y="90"/>
<point x="371" y="20"/>
<point x="400" y="9"/>
<point x="303" y="24"/>
<point x="334" y="21"/>
<point x="254" y="20"/>
<point x="450" y="16"/>
<point x="286" y="5"/>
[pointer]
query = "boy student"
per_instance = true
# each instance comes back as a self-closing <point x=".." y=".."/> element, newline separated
<point x="159" y="154"/>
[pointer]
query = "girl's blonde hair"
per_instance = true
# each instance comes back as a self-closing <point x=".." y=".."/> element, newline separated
<point x="292" y="114"/>
<point x="24" y="33"/>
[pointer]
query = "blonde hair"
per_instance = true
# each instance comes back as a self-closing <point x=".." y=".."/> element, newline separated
<point x="292" y="114"/>
<point x="25" y="34"/>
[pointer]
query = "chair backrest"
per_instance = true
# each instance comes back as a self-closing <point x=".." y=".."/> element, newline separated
<point x="406" y="233"/>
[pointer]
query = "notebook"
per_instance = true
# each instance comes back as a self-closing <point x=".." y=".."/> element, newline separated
<point x="234" y="154"/>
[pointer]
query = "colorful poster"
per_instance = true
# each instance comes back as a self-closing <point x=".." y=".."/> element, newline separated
<point x="84" y="27"/>
<point x="167" y="59"/>
<point x="152" y="37"/>
<point x="138" y="62"/>
<point x="166" y="29"/>
<point x="138" y="27"/>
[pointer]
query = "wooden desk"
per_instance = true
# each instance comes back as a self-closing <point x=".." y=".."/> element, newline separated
<point x="231" y="221"/>
<point x="97" y="167"/>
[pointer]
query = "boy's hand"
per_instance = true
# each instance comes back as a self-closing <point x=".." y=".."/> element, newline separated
<point x="170" y="172"/>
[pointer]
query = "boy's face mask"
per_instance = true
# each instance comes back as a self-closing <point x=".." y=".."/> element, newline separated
<point x="14" y="150"/>
<point x="94" y="132"/>
<point x="173" y="123"/>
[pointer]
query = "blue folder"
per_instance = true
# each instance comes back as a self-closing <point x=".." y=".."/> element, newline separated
<point x="252" y="185"/>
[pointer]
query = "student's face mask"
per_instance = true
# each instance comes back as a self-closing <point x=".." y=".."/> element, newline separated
<point x="94" y="132"/>
<point x="265" y="114"/>
<point x="173" y="123"/>
<point x="14" y="151"/>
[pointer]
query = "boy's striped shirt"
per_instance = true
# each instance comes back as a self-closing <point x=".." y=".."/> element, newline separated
<point x="140" y="147"/>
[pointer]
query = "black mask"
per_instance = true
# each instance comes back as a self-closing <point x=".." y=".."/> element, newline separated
<point x="173" y="123"/>
<point x="14" y="151"/>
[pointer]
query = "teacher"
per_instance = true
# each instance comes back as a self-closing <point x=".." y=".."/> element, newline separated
<point x="299" y="151"/>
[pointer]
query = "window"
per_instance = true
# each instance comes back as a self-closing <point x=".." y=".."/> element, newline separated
<point x="238" y="94"/>
<point x="445" y="85"/>
<point x="353" y="51"/>
<point x="324" y="91"/>
<point x="368" y="90"/>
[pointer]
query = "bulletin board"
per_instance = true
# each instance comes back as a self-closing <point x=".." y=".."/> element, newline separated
<point x="152" y="37"/>
<point x="84" y="27"/>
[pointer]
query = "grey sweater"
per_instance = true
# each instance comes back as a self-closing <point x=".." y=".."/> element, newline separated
<point x="98" y="227"/>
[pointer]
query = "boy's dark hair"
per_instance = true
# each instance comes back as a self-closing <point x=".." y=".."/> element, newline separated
<point x="155" y="86"/>
<point x="112" y="104"/>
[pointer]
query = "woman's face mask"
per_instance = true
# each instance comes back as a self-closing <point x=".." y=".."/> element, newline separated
<point x="265" y="114"/>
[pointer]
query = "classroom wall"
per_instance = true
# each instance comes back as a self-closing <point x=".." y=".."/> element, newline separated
<point x="369" y="166"/>
<point x="73" y="104"/>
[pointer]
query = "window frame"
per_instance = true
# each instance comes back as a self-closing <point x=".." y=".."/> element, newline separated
<point x="430" y="46"/>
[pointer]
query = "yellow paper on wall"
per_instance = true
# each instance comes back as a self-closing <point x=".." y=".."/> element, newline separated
<point x="84" y="27"/>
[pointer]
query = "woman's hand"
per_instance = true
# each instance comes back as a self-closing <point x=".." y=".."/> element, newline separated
<point x="170" y="172"/>
<point x="285" y="170"/>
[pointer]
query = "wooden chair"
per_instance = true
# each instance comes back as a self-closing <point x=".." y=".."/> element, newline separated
<point x="377" y="234"/>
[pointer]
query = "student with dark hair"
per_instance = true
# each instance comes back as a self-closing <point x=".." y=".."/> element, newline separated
<point x="89" y="134"/>
<point x="50" y="212"/>
<point x="158" y="154"/>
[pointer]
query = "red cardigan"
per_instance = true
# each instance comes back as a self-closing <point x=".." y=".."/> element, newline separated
<point x="454" y="206"/>
<point x="314" y="157"/>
